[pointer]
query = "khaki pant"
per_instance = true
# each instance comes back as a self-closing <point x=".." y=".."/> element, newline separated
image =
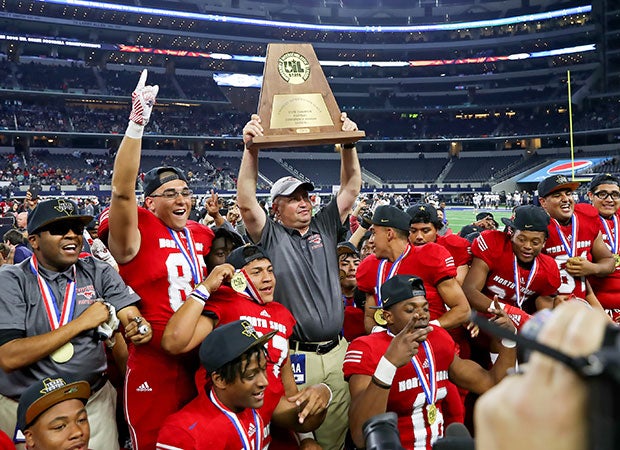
<point x="101" y="408"/>
<point x="328" y="369"/>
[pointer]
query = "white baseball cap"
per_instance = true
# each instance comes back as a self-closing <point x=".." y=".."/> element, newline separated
<point x="287" y="185"/>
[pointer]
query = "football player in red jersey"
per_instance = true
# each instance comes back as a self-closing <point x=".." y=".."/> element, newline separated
<point x="161" y="256"/>
<point x="224" y="416"/>
<point x="406" y="368"/>
<point x="604" y="193"/>
<point x="425" y="226"/>
<point x="510" y="268"/>
<point x="243" y="288"/>
<point x="574" y="241"/>
<point x="394" y="255"/>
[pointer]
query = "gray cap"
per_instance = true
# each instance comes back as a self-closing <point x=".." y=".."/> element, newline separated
<point x="287" y="185"/>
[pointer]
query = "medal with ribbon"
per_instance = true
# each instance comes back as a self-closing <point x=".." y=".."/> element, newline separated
<point x="570" y="248"/>
<point x="242" y="283"/>
<point x="190" y="254"/>
<point x="612" y="237"/>
<point x="520" y="297"/>
<point x="382" y="278"/>
<point x="429" y="385"/>
<point x="57" y="318"/>
<point x="243" y="434"/>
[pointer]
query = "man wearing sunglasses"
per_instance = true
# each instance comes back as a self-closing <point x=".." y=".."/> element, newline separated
<point x="604" y="193"/>
<point x="55" y="309"/>
<point x="160" y="254"/>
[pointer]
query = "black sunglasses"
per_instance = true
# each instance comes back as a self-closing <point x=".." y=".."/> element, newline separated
<point x="62" y="227"/>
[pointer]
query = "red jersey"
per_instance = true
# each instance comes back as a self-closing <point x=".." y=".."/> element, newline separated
<point x="353" y="325"/>
<point x="607" y="289"/>
<point x="459" y="248"/>
<point x="430" y="261"/>
<point x="495" y="249"/>
<point x="407" y="398"/>
<point x="228" y="305"/>
<point x="160" y="273"/>
<point x="201" y="425"/>
<point x="587" y="229"/>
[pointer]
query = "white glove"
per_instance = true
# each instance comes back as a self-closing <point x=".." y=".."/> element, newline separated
<point x="100" y="251"/>
<point x="142" y="101"/>
<point x="107" y="329"/>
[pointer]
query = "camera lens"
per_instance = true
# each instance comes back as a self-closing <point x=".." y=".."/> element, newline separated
<point x="381" y="432"/>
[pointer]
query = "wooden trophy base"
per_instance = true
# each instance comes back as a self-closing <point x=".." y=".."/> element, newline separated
<point x="296" y="106"/>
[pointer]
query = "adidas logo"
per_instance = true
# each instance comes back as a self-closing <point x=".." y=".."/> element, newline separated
<point x="144" y="387"/>
<point x="265" y="313"/>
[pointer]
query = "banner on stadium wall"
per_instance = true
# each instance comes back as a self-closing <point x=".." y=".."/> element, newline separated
<point x="562" y="167"/>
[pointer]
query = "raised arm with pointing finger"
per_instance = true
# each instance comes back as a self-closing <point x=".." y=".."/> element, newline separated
<point x="161" y="256"/>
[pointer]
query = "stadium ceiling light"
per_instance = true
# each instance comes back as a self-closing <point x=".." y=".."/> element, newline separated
<point x="320" y="27"/>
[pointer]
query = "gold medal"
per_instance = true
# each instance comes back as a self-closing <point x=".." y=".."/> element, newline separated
<point x="63" y="354"/>
<point x="379" y="317"/>
<point x="617" y="260"/>
<point x="238" y="282"/>
<point x="431" y="413"/>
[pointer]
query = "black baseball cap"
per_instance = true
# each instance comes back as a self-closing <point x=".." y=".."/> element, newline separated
<point x="424" y="211"/>
<point x="234" y="237"/>
<point x="244" y="255"/>
<point x="400" y="288"/>
<point x="555" y="183"/>
<point x="44" y="394"/>
<point x="391" y="216"/>
<point x="159" y="176"/>
<point x="603" y="178"/>
<point x="468" y="229"/>
<point x="228" y="342"/>
<point x="54" y="210"/>
<point x="484" y="215"/>
<point x="528" y="218"/>
<point x="346" y="248"/>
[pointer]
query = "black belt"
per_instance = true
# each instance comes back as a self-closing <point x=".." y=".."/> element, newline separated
<point x="320" y="348"/>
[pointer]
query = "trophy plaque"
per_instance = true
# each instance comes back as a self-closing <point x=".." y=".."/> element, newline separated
<point x="296" y="105"/>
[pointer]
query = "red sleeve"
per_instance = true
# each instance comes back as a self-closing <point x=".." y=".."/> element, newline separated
<point x="353" y="223"/>
<point x="367" y="274"/>
<point x="360" y="358"/>
<point x="174" y="437"/>
<point x="459" y="248"/>
<point x="438" y="262"/>
<point x="486" y="246"/>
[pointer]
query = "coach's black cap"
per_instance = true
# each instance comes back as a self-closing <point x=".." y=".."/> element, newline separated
<point x="555" y="183"/>
<point x="528" y="218"/>
<point x="603" y="178"/>
<point x="227" y="342"/>
<point x="346" y="248"/>
<point x="391" y="216"/>
<point x="44" y="394"/>
<point x="400" y="288"/>
<point x="423" y="212"/>
<point x="241" y="256"/>
<point x="159" y="176"/>
<point x="54" y="210"/>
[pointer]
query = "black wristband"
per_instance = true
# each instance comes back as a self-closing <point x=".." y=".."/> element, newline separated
<point x="379" y="384"/>
<point x="348" y="146"/>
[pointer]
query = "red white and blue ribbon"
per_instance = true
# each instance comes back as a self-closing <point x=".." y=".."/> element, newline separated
<point x="243" y="435"/>
<point x="521" y="298"/>
<point x="190" y="256"/>
<point x="56" y="317"/>
<point x="381" y="278"/>
<point x="612" y="235"/>
<point x="250" y="289"/>
<point x="571" y="249"/>
<point x="429" y="385"/>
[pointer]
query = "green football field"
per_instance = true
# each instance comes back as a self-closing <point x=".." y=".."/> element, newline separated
<point x="458" y="217"/>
